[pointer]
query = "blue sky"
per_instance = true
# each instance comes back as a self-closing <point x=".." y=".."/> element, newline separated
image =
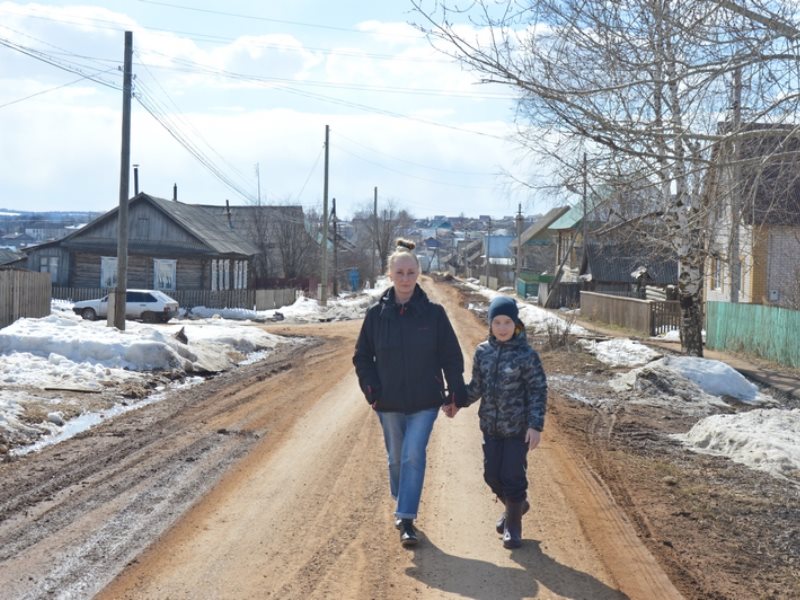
<point x="224" y="87"/>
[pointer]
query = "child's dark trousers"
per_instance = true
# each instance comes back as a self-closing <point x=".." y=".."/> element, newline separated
<point x="505" y="463"/>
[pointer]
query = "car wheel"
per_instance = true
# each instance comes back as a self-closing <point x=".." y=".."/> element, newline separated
<point x="89" y="314"/>
<point x="149" y="317"/>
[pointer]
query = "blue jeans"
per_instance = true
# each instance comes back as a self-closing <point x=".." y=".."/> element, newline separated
<point x="406" y="438"/>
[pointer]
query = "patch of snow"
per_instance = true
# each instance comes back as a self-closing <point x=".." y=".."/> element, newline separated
<point x="620" y="352"/>
<point x="762" y="439"/>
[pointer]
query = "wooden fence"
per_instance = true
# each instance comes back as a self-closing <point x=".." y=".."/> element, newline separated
<point x="766" y="331"/>
<point x="248" y="299"/>
<point x="23" y="294"/>
<point x="649" y="317"/>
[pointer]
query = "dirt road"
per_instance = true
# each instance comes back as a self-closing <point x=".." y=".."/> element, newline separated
<point x="271" y="483"/>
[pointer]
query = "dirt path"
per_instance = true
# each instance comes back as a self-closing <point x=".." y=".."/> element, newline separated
<point x="306" y="513"/>
<point x="270" y="482"/>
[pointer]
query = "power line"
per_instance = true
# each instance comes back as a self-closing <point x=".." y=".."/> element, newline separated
<point x="52" y="89"/>
<point x="266" y="19"/>
<point x="374" y="150"/>
<point x="438" y="182"/>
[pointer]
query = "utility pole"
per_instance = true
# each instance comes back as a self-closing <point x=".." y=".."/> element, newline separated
<point x="585" y="206"/>
<point x="258" y="182"/>
<point x="518" y="270"/>
<point x="116" y="317"/>
<point x="335" y="252"/>
<point x="734" y="264"/>
<point x="488" y="236"/>
<point x="323" y="295"/>
<point x="376" y="251"/>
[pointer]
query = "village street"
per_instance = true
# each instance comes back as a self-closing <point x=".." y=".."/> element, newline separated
<point x="273" y="485"/>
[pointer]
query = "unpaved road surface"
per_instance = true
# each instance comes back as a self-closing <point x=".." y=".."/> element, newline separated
<point x="270" y="482"/>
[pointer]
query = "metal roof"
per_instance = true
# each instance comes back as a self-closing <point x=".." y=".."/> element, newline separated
<point x="542" y="225"/>
<point x="615" y="263"/>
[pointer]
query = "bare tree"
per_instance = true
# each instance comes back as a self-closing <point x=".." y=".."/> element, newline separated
<point x="382" y="229"/>
<point x="642" y="87"/>
<point x="297" y="248"/>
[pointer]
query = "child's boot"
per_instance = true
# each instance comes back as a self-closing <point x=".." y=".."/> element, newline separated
<point x="512" y="535"/>
<point x="500" y="526"/>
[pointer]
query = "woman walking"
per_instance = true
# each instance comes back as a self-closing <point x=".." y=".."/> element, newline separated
<point x="405" y="345"/>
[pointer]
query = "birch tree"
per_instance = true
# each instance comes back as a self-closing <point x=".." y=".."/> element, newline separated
<point x="643" y="87"/>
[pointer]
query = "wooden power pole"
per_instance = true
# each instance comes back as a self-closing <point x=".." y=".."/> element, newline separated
<point x="323" y="294"/>
<point x="116" y="317"/>
<point x="335" y="252"/>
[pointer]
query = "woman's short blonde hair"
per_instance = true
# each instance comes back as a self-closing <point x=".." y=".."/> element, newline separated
<point x="403" y="248"/>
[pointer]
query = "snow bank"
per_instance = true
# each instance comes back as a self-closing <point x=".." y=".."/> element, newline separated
<point x="620" y="352"/>
<point x="762" y="439"/>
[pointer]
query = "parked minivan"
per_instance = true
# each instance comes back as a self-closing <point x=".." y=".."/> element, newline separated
<point x="148" y="305"/>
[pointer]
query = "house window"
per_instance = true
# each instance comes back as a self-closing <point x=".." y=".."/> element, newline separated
<point x="164" y="273"/>
<point x="220" y="274"/>
<point x="108" y="271"/>
<point x="49" y="264"/>
<point x="240" y="278"/>
<point x="228" y="274"/>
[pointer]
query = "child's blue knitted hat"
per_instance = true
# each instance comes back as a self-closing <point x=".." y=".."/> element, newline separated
<point x="503" y="305"/>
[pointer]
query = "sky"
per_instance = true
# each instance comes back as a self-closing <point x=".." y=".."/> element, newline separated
<point x="734" y="418"/>
<point x="231" y="102"/>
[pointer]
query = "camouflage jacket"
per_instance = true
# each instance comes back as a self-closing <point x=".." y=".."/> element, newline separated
<point x="510" y="380"/>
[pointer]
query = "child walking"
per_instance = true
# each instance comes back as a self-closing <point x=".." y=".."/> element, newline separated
<point x="508" y="377"/>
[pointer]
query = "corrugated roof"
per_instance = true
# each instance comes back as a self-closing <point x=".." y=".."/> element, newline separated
<point x="542" y="225"/>
<point x="9" y="256"/>
<point x="208" y="223"/>
<point x="615" y="263"/>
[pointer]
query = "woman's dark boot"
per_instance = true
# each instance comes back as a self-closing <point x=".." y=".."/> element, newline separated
<point x="500" y="526"/>
<point x="408" y="535"/>
<point x="512" y="536"/>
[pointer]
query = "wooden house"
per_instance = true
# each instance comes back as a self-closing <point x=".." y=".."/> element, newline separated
<point x="171" y="246"/>
<point x="754" y="221"/>
<point x="538" y="245"/>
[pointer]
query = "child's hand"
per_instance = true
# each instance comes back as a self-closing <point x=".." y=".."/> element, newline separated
<point x="450" y="409"/>
<point x="532" y="438"/>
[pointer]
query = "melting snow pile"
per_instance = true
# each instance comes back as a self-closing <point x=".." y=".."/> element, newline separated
<point x="762" y="439"/>
<point x="620" y="352"/>
<point x="690" y="384"/>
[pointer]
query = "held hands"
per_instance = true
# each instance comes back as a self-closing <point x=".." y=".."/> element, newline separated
<point x="450" y="409"/>
<point x="532" y="438"/>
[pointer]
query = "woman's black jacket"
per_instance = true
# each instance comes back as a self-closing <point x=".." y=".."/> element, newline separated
<point x="403" y="350"/>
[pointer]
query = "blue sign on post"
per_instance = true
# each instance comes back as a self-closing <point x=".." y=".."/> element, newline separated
<point x="352" y="274"/>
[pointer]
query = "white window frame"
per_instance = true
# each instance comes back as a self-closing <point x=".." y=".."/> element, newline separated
<point x="108" y="272"/>
<point x="164" y="273"/>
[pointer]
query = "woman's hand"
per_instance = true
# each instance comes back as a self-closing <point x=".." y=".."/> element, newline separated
<point x="532" y="438"/>
<point x="450" y="409"/>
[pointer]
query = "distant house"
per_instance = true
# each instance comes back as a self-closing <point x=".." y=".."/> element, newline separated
<point x="765" y="205"/>
<point x="10" y="259"/>
<point x="171" y="246"/>
<point x="538" y="246"/>
<point x="16" y="241"/>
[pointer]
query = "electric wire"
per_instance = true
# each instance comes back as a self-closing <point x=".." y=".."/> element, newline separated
<point x="150" y="103"/>
<point x="52" y="89"/>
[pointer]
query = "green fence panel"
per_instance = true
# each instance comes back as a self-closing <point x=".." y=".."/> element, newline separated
<point x="766" y="331"/>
